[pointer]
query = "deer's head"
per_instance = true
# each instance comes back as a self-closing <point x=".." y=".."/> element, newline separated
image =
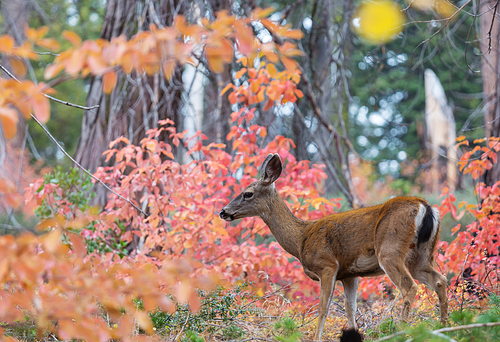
<point x="253" y="201"/>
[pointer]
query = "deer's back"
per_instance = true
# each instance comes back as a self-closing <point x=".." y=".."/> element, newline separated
<point x="349" y="238"/>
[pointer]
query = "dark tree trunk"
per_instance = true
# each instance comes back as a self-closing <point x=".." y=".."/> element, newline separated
<point x="490" y="68"/>
<point x="138" y="101"/>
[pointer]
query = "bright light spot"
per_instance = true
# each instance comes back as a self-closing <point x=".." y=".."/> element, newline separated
<point x="382" y="143"/>
<point x="93" y="17"/>
<point x="401" y="155"/>
<point x="362" y="141"/>
<point x="394" y="166"/>
<point x="73" y="21"/>
<point x="239" y="173"/>
<point x="377" y="119"/>
<point x="361" y="117"/>
<point x="356" y="22"/>
<point x="378" y="132"/>
<point x="312" y="148"/>
<point x="307" y="23"/>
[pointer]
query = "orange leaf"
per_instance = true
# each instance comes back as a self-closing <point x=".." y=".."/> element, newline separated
<point x="460" y="138"/>
<point x="244" y="37"/>
<point x="269" y="104"/>
<point x="144" y="321"/>
<point x="53" y="70"/>
<point x="52" y="241"/>
<point x="240" y="73"/>
<point x="293" y="34"/>
<point x="260" y="13"/>
<point x="75" y="63"/>
<point x="168" y="68"/>
<point x="78" y="245"/>
<point x="9" y="119"/>
<point x="109" y="82"/>
<point x="18" y="67"/>
<point x="72" y="37"/>
<point x="41" y="107"/>
<point x="96" y="65"/>
<point x="226" y="88"/>
<point x="271" y="68"/>
<point x="48" y="43"/>
<point x="6" y="44"/>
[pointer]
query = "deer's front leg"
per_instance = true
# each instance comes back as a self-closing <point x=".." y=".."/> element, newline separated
<point x="327" y="279"/>
<point x="350" y="291"/>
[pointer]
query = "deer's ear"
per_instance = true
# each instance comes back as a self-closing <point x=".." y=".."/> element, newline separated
<point x="271" y="169"/>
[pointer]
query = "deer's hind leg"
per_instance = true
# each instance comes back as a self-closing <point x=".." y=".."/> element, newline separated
<point x="393" y="264"/>
<point x="438" y="282"/>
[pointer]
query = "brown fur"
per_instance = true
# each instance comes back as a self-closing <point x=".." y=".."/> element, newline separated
<point x="362" y="242"/>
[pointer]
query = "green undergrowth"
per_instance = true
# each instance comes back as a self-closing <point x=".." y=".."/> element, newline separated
<point x="432" y="330"/>
<point x="219" y="315"/>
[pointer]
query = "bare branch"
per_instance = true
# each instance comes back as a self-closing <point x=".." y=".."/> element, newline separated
<point x="4" y="69"/>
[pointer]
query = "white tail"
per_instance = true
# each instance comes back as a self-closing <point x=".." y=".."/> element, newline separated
<point x="398" y="237"/>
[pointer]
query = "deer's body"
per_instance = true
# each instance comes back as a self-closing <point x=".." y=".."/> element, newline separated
<point x="397" y="238"/>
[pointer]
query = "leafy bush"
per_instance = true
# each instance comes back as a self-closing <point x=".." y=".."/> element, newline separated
<point x="287" y="330"/>
<point x="221" y="306"/>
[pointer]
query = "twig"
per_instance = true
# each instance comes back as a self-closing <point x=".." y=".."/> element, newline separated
<point x="48" y="96"/>
<point x="468" y="326"/>
<point x="492" y="23"/>
<point x="182" y="329"/>
<point x="269" y="294"/>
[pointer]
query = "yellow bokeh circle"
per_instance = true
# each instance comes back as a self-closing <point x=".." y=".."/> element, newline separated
<point x="378" y="22"/>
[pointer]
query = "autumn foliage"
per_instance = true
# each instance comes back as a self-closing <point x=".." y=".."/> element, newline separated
<point x="181" y="244"/>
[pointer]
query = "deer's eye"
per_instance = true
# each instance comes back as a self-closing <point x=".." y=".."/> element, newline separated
<point x="247" y="195"/>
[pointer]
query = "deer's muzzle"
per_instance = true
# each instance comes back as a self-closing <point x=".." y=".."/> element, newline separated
<point x="225" y="216"/>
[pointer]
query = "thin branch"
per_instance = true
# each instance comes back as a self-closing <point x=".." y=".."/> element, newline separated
<point x="48" y="96"/>
<point x="491" y="26"/>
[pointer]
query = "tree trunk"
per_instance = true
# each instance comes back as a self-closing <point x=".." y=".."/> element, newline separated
<point x="138" y="101"/>
<point x="490" y="68"/>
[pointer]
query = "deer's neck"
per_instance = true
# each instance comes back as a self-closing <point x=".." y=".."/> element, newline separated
<point x="285" y="226"/>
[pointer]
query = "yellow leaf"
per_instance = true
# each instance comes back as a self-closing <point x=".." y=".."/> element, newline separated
<point x="72" y="37"/>
<point x="378" y="22"/>
<point x="9" y="119"/>
<point x="109" y="82"/>
<point x="271" y="68"/>
<point x="460" y="138"/>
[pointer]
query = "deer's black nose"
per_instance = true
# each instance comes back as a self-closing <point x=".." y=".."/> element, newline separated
<point x="225" y="216"/>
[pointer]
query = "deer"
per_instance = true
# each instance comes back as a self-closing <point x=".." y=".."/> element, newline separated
<point x="397" y="238"/>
